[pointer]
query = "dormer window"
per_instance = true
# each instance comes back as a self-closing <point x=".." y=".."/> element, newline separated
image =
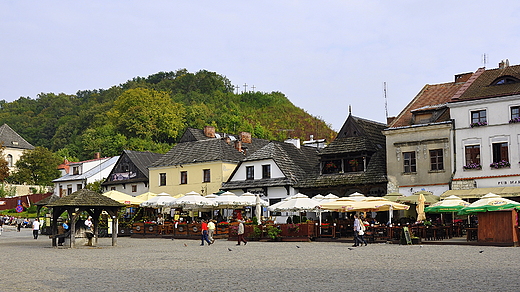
<point x="505" y="80"/>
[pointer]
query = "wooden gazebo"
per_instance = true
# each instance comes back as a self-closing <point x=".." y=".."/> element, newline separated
<point x="90" y="202"/>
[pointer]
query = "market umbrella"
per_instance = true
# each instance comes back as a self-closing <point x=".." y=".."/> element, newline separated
<point x="146" y="196"/>
<point x="414" y="199"/>
<point x="296" y="203"/>
<point x="258" y="209"/>
<point x="193" y="200"/>
<point x="161" y="200"/>
<point x="489" y="202"/>
<point x="250" y="200"/>
<point x="376" y="204"/>
<point x="339" y="204"/>
<point x="123" y="198"/>
<point x="228" y="200"/>
<point x="393" y="196"/>
<point x="421" y="216"/>
<point x="448" y="205"/>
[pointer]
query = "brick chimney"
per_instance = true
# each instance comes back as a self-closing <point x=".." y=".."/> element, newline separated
<point x="209" y="131"/>
<point x="245" y="137"/>
<point x="238" y="145"/>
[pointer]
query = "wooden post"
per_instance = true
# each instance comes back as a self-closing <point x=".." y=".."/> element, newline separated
<point x="73" y="229"/>
<point x="114" y="230"/>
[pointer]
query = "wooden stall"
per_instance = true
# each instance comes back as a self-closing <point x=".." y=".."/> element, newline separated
<point x="498" y="227"/>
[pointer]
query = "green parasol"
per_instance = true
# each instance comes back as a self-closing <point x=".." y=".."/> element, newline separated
<point x="489" y="202"/>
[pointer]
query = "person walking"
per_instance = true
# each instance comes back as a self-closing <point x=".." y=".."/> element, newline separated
<point x="19" y="222"/>
<point x="36" y="228"/>
<point x="240" y="232"/>
<point x="211" y="230"/>
<point x="1" y="224"/>
<point x="204" y="233"/>
<point x="357" y="228"/>
<point x="362" y="230"/>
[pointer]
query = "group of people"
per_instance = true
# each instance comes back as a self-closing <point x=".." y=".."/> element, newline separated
<point x="359" y="231"/>
<point x="208" y="230"/>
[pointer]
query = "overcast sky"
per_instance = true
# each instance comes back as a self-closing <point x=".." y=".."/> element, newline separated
<point x="323" y="55"/>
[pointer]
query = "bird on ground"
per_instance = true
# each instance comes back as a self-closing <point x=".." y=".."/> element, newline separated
<point x="185" y="244"/>
<point x="297" y="247"/>
<point x="229" y="249"/>
<point x="481" y="251"/>
<point x="350" y="248"/>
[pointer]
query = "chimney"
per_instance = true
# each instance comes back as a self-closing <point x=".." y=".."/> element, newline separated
<point x="504" y="64"/>
<point x="97" y="155"/>
<point x="238" y="145"/>
<point x="245" y="137"/>
<point x="209" y="131"/>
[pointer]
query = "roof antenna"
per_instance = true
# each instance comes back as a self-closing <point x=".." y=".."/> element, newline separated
<point x="386" y="101"/>
<point x="484" y="59"/>
<point x="349" y="109"/>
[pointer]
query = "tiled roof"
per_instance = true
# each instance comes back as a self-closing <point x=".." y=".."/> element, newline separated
<point x="85" y="198"/>
<point x="357" y="134"/>
<point x="142" y="160"/>
<point x="9" y="138"/>
<point x="200" y="151"/>
<point x="431" y="97"/>
<point x="296" y="164"/>
<point x="89" y="173"/>
<point x="483" y="86"/>
<point x="375" y="173"/>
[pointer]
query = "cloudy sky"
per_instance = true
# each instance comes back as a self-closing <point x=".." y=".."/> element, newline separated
<point x="323" y="55"/>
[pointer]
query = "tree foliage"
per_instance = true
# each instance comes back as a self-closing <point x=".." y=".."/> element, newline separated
<point x="150" y="113"/>
<point x="37" y="167"/>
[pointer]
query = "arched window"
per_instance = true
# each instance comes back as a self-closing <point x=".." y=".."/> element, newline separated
<point x="9" y="159"/>
<point x="505" y="80"/>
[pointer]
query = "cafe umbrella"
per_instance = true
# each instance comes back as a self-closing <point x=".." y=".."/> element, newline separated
<point x="489" y="202"/>
<point x="451" y="204"/>
<point x="421" y="216"/>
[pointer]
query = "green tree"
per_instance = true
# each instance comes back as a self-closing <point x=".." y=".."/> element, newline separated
<point x="4" y="165"/>
<point x="147" y="114"/>
<point x="37" y="167"/>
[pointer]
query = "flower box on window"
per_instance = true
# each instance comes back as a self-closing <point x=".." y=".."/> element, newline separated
<point x="500" y="164"/>
<point x="473" y="166"/>
<point x="514" y="120"/>
<point x="478" y="124"/>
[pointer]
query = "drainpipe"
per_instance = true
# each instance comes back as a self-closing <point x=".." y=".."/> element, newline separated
<point x="454" y="154"/>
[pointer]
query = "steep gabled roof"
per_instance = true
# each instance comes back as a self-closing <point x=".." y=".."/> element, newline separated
<point x="89" y="173"/>
<point x="430" y="98"/>
<point x="296" y="164"/>
<point x="200" y="151"/>
<point x="9" y="138"/>
<point x="357" y="134"/>
<point x="142" y="160"/>
<point x="484" y="86"/>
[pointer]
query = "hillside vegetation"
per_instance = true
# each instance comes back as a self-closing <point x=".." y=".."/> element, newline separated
<point x="151" y="113"/>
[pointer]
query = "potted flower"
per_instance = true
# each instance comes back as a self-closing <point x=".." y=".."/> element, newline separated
<point x="514" y="120"/>
<point x="478" y="124"/>
<point x="274" y="232"/>
<point x="472" y="166"/>
<point x="500" y="164"/>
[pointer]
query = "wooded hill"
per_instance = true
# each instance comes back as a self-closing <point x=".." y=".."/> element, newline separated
<point x="149" y="114"/>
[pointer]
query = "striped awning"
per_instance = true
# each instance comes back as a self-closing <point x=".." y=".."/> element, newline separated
<point x="477" y="193"/>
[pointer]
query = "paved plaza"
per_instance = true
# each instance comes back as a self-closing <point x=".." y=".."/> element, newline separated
<point x="184" y="265"/>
